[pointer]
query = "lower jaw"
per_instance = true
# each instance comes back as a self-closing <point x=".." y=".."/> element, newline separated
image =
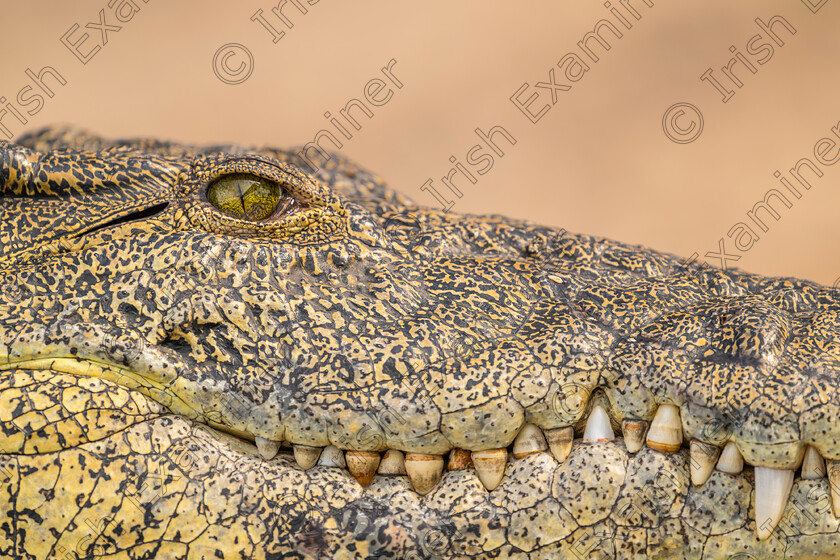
<point x="173" y="483"/>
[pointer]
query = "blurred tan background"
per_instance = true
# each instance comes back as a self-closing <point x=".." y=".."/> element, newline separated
<point x="597" y="162"/>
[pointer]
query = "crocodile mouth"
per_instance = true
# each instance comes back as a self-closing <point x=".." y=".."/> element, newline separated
<point x="607" y="457"/>
<point x="634" y="471"/>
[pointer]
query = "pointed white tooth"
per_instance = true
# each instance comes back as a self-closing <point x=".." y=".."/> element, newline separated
<point x="306" y="456"/>
<point x="703" y="459"/>
<point x="530" y="440"/>
<point x="731" y="461"/>
<point x="393" y="462"/>
<point x="267" y="448"/>
<point x="560" y="442"/>
<point x="634" y="434"/>
<point x="833" y="468"/>
<point x="772" y="488"/>
<point x="424" y="471"/>
<point x="490" y="466"/>
<point x="665" y="433"/>
<point x="332" y="456"/>
<point x="598" y="427"/>
<point x="459" y="459"/>
<point x="362" y="465"/>
<point x="813" y="466"/>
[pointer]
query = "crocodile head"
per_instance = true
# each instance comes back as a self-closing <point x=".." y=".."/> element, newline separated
<point x="221" y="353"/>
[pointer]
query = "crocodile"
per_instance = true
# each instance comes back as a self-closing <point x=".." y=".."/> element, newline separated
<point x="223" y="352"/>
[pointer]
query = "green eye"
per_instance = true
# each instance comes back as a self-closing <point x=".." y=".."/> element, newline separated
<point x="245" y="196"/>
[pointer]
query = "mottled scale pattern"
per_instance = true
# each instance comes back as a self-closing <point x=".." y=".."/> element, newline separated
<point x="147" y="339"/>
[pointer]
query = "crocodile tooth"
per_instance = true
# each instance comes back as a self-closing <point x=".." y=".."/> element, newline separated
<point x="703" y="459"/>
<point x="424" y="471"/>
<point x="598" y="427"/>
<point x="267" y="448"/>
<point x="530" y="440"/>
<point x="362" y="465"/>
<point x="634" y="434"/>
<point x="306" y="456"/>
<point x="459" y="459"/>
<point x="813" y="466"/>
<point x="833" y="468"/>
<point x="665" y="433"/>
<point x="392" y="462"/>
<point x="772" y="488"/>
<point x="490" y="466"/>
<point x="332" y="456"/>
<point x="560" y="442"/>
<point x="731" y="461"/>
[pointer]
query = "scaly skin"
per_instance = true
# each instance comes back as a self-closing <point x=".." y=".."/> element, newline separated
<point x="139" y="361"/>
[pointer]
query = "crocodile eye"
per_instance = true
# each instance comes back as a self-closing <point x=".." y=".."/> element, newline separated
<point x="245" y="196"/>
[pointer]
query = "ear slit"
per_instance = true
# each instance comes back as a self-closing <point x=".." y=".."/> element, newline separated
<point x="134" y="216"/>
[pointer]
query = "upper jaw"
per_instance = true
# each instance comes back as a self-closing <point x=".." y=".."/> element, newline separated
<point x="747" y="359"/>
